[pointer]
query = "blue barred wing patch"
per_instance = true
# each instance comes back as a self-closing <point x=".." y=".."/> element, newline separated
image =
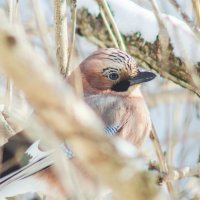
<point x="67" y="151"/>
<point x="112" y="130"/>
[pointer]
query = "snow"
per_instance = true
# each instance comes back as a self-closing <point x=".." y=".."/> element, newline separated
<point x="90" y="5"/>
<point x="167" y="8"/>
<point x="132" y="18"/>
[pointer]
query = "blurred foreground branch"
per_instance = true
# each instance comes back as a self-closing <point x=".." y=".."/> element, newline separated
<point x="70" y="119"/>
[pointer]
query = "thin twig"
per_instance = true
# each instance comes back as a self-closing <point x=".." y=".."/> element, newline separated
<point x="162" y="161"/>
<point x="60" y="16"/>
<point x="71" y="49"/>
<point x="113" y="38"/>
<point x="106" y="8"/>
<point x="164" y="40"/>
<point x="176" y="174"/>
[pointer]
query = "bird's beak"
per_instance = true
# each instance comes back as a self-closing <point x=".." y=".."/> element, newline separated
<point x="141" y="78"/>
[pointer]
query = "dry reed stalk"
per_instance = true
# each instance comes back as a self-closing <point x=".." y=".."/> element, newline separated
<point x="196" y="6"/>
<point x="162" y="162"/>
<point x="164" y="40"/>
<point x="60" y="18"/>
<point x="105" y="7"/>
<point x="71" y="49"/>
<point x="112" y="36"/>
<point x="57" y="106"/>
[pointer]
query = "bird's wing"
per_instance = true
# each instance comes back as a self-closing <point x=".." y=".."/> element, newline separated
<point x="32" y="159"/>
<point x="112" y="130"/>
<point x="37" y="161"/>
<point x="26" y="171"/>
<point x="14" y="176"/>
<point x="67" y="151"/>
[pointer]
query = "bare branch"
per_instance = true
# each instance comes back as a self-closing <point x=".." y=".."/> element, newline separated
<point x="162" y="162"/>
<point x="176" y="174"/>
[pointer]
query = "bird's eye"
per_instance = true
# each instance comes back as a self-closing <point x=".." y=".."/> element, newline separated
<point x="113" y="76"/>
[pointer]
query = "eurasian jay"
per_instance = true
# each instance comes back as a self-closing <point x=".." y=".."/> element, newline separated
<point x="110" y="79"/>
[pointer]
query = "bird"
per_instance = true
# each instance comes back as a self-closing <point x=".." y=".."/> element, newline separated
<point x="111" y="81"/>
<point x="111" y="85"/>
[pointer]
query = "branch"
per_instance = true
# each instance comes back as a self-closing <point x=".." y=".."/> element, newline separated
<point x="162" y="162"/>
<point x="176" y="174"/>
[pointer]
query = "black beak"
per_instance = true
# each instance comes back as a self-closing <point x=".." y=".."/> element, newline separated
<point x="141" y="78"/>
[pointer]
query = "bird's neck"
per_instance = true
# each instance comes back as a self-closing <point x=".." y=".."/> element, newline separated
<point x="136" y="92"/>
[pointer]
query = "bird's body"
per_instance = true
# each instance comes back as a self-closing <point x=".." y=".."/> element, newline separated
<point x="115" y="101"/>
<point x="108" y="77"/>
<point x="129" y="113"/>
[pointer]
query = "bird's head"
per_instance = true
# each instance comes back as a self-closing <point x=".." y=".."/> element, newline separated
<point x="112" y="70"/>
